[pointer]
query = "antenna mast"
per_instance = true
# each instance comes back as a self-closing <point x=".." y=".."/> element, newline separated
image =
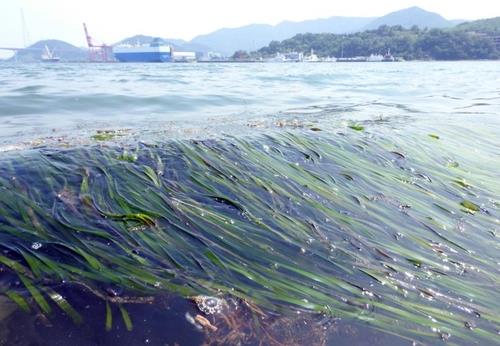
<point x="25" y="30"/>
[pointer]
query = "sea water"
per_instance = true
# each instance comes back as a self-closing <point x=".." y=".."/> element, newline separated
<point x="336" y="203"/>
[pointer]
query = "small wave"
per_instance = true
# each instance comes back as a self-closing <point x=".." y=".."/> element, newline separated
<point x="29" y="89"/>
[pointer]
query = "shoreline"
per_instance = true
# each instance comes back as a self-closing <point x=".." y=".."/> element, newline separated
<point x="230" y="61"/>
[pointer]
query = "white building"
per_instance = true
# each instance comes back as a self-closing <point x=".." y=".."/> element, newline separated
<point x="184" y="56"/>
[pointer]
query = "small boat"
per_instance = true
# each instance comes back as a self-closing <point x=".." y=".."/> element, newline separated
<point x="311" y="57"/>
<point x="48" y="55"/>
<point x="381" y="58"/>
<point x="375" y="58"/>
<point x="330" y="59"/>
<point x="388" y="57"/>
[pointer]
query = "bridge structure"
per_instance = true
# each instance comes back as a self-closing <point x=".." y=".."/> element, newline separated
<point x="16" y="49"/>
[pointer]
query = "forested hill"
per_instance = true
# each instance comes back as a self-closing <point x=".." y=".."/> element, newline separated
<point x="488" y="26"/>
<point x="411" y="44"/>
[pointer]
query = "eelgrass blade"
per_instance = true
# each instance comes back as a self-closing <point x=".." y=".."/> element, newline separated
<point x="35" y="293"/>
<point x="19" y="300"/>
<point x="109" y="318"/>
<point x="64" y="305"/>
<point x="126" y="318"/>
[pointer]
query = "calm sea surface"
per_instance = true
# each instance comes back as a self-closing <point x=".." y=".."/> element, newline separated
<point x="275" y="204"/>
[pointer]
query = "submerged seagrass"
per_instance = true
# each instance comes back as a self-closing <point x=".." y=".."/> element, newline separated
<point x="352" y="225"/>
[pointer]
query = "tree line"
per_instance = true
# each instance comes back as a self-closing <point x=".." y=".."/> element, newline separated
<point x="410" y="44"/>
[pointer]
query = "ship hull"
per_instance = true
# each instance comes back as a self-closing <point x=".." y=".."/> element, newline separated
<point x="143" y="53"/>
<point x="143" y="57"/>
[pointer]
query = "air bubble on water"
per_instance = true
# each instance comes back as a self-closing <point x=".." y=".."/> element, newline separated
<point x="36" y="245"/>
<point x="367" y="293"/>
<point x="409" y="275"/>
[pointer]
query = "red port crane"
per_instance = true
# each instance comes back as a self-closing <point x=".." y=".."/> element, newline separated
<point x="98" y="52"/>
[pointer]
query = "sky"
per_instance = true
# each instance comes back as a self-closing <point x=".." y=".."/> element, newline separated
<point x="110" y="21"/>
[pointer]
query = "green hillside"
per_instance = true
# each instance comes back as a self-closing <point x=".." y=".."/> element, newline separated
<point x="411" y="44"/>
<point x="488" y="26"/>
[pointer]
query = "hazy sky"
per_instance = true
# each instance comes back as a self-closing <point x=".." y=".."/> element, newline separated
<point x="113" y="20"/>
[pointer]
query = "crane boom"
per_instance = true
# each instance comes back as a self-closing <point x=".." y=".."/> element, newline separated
<point x="97" y="52"/>
<point x="87" y="36"/>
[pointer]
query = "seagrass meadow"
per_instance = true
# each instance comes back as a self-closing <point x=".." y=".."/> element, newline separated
<point x="380" y="229"/>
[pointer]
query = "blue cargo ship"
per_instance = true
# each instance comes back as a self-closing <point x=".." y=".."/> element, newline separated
<point x="156" y="51"/>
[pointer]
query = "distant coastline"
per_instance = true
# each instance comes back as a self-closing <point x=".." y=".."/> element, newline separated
<point x="464" y="42"/>
<point x="476" y="40"/>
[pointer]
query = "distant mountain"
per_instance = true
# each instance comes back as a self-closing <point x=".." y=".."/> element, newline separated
<point x="254" y="36"/>
<point x="487" y="26"/>
<point x="410" y="17"/>
<point x="179" y="45"/>
<point x="145" y="39"/>
<point x="64" y="50"/>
